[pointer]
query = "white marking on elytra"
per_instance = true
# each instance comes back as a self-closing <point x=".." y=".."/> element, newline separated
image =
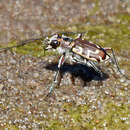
<point x="78" y="50"/>
<point x="91" y="52"/>
<point x="100" y="58"/>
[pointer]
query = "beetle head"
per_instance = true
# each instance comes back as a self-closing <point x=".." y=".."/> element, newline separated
<point x="53" y="42"/>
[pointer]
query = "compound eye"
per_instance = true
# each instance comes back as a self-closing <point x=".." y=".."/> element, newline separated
<point x="54" y="43"/>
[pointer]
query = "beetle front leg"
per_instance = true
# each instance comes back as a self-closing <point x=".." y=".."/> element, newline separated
<point x="55" y="81"/>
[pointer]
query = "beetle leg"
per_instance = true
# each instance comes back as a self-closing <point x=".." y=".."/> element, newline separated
<point x="114" y="61"/>
<point x="80" y="35"/>
<point x="91" y="63"/>
<point x="95" y="68"/>
<point x="109" y="49"/>
<point x="55" y="81"/>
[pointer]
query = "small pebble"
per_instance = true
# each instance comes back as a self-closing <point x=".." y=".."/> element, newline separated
<point x="12" y="61"/>
<point x="36" y="75"/>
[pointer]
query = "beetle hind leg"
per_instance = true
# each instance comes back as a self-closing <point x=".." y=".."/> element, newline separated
<point x="114" y="61"/>
<point x="93" y="65"/>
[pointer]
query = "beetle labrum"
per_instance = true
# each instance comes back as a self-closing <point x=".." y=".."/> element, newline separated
<point x="79" y="51"/>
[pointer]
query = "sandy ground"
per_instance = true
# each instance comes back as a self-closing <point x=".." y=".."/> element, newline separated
<point x="25" y="80"/>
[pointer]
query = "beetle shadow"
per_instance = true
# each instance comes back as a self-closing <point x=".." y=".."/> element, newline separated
<point x="83" y="72"/>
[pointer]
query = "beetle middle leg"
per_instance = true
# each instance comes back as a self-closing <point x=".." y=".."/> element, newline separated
<point x="88" y="63"/>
